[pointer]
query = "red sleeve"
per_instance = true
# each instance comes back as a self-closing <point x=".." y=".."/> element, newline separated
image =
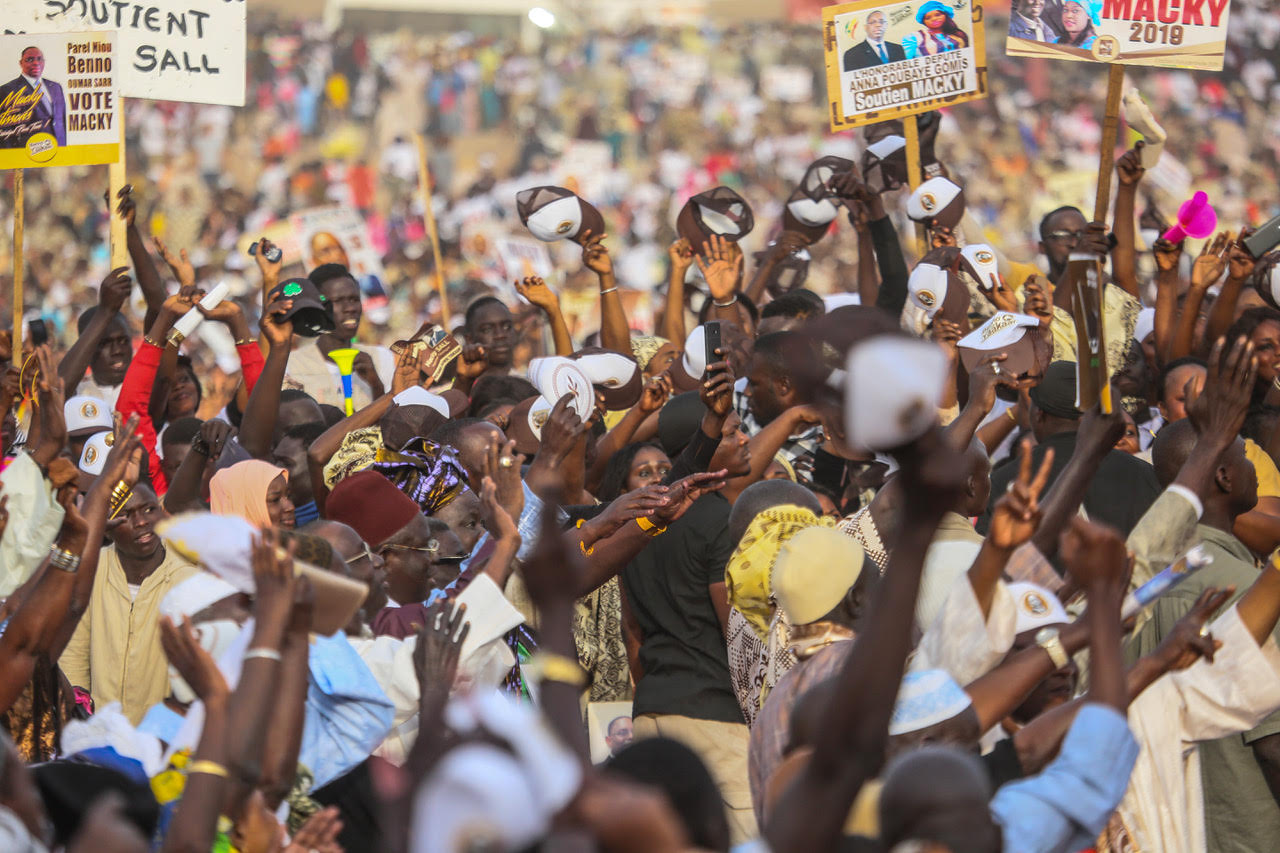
<point x="135" y="398"/>
<point x="251" y="364"/>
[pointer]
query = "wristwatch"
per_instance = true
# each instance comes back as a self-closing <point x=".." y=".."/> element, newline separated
<point x="1048" y="639"/>
<point x="546" y="666"/>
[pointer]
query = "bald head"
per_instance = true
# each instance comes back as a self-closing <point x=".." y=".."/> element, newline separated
<point x="344" y="539"/>
<point x="760" y="496"/>
<point x="938" y="794"/>
<point x="978" y="492"/>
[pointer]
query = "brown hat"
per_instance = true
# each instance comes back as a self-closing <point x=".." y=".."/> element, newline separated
<point x="810" y="209"/>
<point x="524" y="424"/>
<point x="717" y="211"/>
<point x="616" y="376"/>
<point x="937" y="201"/>
<point x="884" y="164"/>
<point x="1007" y="333"/>
<point x="370" y="504"/>
<point x="555" y="213"/>
<point x="788" y="272"/>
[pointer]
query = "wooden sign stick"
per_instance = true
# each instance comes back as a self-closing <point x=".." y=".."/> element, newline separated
<point x="429" y="217"/>
<point x="119" y="228"/>
<point x="911" y="133"/>
<point x="1102" y="203"/>
<point x="19" y="257"/>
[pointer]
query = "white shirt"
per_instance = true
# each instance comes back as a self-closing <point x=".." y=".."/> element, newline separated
<point x="879" y="49"/>
<point x="36" y="83"/>
<point x="1163" y="809"/>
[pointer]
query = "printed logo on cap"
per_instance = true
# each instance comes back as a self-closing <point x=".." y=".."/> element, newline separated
<point x="927" y="299"/>
<point x="291" y="289"/>
<point x="89" y="410"/>
<point x="1034" y="603"/>
<point x="90" y="455"/>
<point x="565" y="227"/>
<point x="982" y="256"/>
<point x="538" y="417"/>
<point x="928" y="202"/>
<point x="998" y="324"/>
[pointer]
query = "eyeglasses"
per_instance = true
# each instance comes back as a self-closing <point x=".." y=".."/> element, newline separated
<point x="1064" y="236"/>
<point x="432" y="548"/>
<point x="366" y="554"/>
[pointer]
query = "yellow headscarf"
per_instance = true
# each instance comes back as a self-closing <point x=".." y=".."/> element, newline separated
<point x="747" y="574"/>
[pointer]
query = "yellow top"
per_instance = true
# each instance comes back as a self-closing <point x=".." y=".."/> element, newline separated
<point x="1265" y="467"/>
<point x="115" y="652"/>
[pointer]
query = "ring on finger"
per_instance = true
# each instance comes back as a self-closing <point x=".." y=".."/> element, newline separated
<point x="506" y="462"/>
<point x="995" y="368"/>
<point x="1204" y="630"/>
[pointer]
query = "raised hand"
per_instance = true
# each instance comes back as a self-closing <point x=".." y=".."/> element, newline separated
<point x="270" y="270"/>
<point x="1129" y="167"/>
<point x="1211" y="263"/>
<point x="716" y="391"/>
<point x="406" y="374"/>
<point x="274" y="579"/>
<point x="213" y="437"/>
<point x="183" y="270"/>
<point x="502" y="465"/>
<point x="1037" y="302"/>
<point x="473" y="363"/>
<point x="1099" y="430"/>
<point x="985" y="378"/>
<point x="1094" y="240"/>
<point x="1017" y="514"/>
<point x="196" y="666"/>
<point x="641" y="502"/>
<point x="657" y="391"/>
<point x="595" y="256"/>
<point x="496" y="519"/>
<point x="536" y="291"/>
<point x="562" y="430"/>
<point x="126" y="208"/>
<point x="1220" y="409"/>
<point x="1189" y="640"/>
<point x="681" y="255"/>
<point x="934" y="474"/>
<point x="1167" y="254"/>
<point x="940" y="236"/>
<point x="275" y="328"/>
<point x="363" y="367"/>
<point x="721" y="266"/>
<point x="114" y="291"/>
<point x="1095" y="556"/>
<point x="439" y="647"/>
<point x="124" y="459"/>
<point x="946" y="335"/>
<point x="1240" y="264"/>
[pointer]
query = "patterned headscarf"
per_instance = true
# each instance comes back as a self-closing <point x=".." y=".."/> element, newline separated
<point x="427" y="472"/>
<point x="358" y="451"/>
<point x="748" y="571"/>
<point x="645" y="347"/>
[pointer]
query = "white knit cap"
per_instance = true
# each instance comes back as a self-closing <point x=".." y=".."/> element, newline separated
<point x="926" y="698"/>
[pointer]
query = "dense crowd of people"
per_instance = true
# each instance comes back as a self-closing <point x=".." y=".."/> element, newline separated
<point x="794" y="468"/>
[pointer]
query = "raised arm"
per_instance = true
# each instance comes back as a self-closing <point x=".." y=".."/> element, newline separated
<point x="536" y="291"/>
<point x="681" y="256"/>
<point x="720" y="263"/>
<point x="258" y="425"/>
<point x="654" y="396"/>
<point x="1205" y="273"/>
<point x="1097" y="435"/>
<point x="144" y="266"/>
<point x="1240" y="266"/>
<point x="1013" y="521"/>
<point x="854" y="729"/>
<point x="112" y="295"/>
<point x="615" y="334"/>
<point x="1168" y="287"/>
<point x="1124" y="257"/>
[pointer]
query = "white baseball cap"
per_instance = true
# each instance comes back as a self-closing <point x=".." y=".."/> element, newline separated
<point x="1036" y="607"/>
<point x="94" y="456"/>
<point x="938" y="201"/>
<point x="86" y="414"/>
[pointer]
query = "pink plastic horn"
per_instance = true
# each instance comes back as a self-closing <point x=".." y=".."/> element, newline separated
<point x="1195" y="219"/>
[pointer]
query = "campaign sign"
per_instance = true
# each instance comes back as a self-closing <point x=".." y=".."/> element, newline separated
<point x="890" y="60"/>
<point x="62" y="107"/>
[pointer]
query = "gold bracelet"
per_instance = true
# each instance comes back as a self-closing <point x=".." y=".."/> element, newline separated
<point x="209" y="768"/>
<point x="649" y="527"/>
<point x="120" y="495"/>
<point x="548" y="666"/>
<point x="1012" y="416"/>
<point x="147" y="339"/>
<point x="245" y="342"/>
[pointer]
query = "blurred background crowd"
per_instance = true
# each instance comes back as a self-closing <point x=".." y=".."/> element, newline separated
<point x="637" y="118"/>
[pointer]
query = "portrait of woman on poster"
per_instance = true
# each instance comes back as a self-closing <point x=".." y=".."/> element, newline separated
<point x="940" y="33"/>
<point x="1080" y="20"/>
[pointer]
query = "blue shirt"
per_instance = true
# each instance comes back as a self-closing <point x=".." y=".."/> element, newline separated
<point x="1064" y="808"/>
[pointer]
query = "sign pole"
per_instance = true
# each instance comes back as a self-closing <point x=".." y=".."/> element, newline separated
<point x="1110" y="133"/>
<point x="911" y="133"/>
<point x="19" y="259"/>
<point x="119" y="228"/>
<point x="429" y="217"/>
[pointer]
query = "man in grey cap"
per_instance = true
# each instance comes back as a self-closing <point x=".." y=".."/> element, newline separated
<point x="1124" y="486"/>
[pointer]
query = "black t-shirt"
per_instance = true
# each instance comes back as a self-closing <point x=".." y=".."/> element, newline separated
<point x="685" y="660"/>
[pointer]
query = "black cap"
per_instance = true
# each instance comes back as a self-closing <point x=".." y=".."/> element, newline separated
<point x="678" y="420"/>
<point x="311" y="313"/>
<point x="1055" y="394"/>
